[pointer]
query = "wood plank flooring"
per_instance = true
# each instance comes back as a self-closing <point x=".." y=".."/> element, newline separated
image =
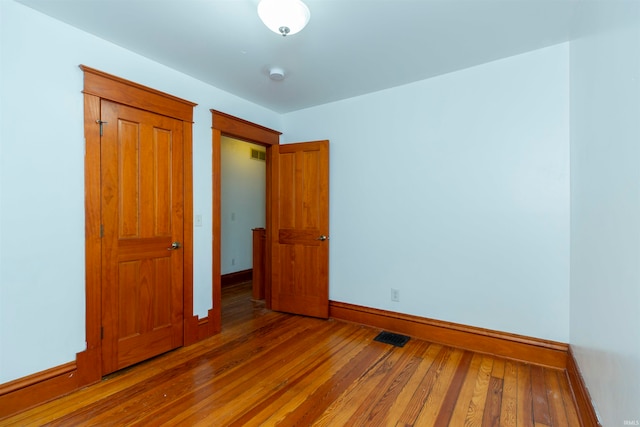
<point x="268" y="368"/>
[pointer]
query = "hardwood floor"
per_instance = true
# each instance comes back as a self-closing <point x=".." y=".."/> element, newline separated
<point x="268" y="368"/>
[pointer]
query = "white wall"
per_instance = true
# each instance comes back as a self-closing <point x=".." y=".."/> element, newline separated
<point x="605" y="207"/>
<point x="454" y="190"/>
<point x="243" y="182"/>
<point x="42" y="296"/>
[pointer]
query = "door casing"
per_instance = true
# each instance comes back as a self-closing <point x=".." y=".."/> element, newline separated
<point x="97" y="86"/>
<point x="234" y="127"/>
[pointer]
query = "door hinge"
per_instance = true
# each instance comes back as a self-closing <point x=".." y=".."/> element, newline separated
<point x="101" y="332"/>
<point x="101" y="231"/>
<point x="100" y="122"/>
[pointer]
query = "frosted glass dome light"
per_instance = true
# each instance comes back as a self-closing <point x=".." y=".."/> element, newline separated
<point x="284" y="17"/>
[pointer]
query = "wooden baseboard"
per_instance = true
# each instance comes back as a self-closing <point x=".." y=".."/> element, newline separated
<point x="199" y="329"/>
<point x="581" y="397"/>
<point x="531" y="350"/>
<point x="236" y="277"/>
<point x="41" y="387"/>
<point x="24" y="393"/>
<point x="32" y="390"/>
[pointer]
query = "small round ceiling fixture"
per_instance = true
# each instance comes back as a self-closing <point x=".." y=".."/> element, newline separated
<point x="276" y="74"/>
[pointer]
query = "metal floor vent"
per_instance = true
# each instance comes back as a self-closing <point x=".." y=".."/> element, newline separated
<point x="391" y="338"/>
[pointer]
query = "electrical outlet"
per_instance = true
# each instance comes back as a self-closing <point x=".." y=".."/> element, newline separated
<point x="395" y="295"/>
<point x="197" y="221"/>
<point x="233" y="261"/>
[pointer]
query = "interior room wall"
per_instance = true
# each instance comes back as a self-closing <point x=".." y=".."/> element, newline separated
<point x="455" y="191"/>
<point x="243" y="203"/>
<point x="605" y="207"/>
<point x="42" y="299"/>
<point x="460" y="198"/>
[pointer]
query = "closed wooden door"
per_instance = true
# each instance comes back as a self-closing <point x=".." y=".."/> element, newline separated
<point x="142" y="221"/>
<point x="300" y="228"/>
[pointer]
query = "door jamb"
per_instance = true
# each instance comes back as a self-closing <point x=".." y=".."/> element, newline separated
<point x="234" y="127"/>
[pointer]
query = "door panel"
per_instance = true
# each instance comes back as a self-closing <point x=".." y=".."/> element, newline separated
<point x="142" y="214"/>
<point x="300" y="216"/>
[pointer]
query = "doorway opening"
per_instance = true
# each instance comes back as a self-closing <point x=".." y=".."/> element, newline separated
<point x="243" y="220"/>
<point x="297" y="217"/>
<point x="224" y="125"/>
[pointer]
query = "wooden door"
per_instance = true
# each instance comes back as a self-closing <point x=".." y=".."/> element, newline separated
<point x="142" y="216"/>
<point x="300" y="228"/>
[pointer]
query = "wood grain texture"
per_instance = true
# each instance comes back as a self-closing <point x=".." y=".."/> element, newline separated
<point x="242" y="129"/>
<point x="142" y="214"/>
<point x="191" y="331"/>
<point x="533" y="350"/>
<point x="576" y="384"/>
<point x="267" y="368"/>
<point x="216" y="229"/>
<point x="259" y="243"/>
<point x="236" y="277"/>
<point x="22" y="393"/>
<point x="113" y="88"/>
<point x="300" y="223"/>
<point x="99" y="86"/>
<point x="93" y="240"/>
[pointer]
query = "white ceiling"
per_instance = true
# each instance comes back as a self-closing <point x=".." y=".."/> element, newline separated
<point x="349" y="47"/>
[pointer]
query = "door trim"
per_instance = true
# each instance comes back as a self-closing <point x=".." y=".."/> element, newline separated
<point x="99" y="85"/>
<point x="234" y="127"/>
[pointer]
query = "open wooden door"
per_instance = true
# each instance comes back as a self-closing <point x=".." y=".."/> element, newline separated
<point x="299" y="224"/>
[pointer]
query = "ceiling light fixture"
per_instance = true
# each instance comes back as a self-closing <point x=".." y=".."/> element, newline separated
<point x="284" y="17"/>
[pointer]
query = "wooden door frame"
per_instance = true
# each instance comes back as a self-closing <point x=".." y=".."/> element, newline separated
<point x="98" y="86"/>
<point x="226" y="125"/>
